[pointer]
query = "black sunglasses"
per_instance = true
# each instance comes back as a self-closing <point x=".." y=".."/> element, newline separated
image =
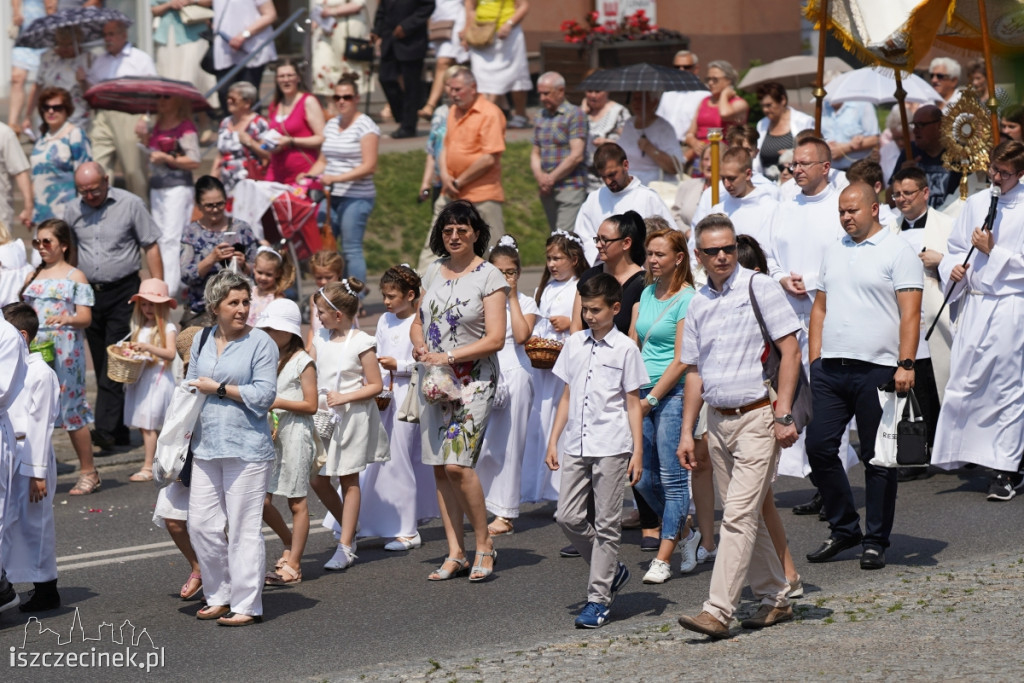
<point x="59" y="108"/>
<point x="713" y="251"/>
<point x="347" y="98"/>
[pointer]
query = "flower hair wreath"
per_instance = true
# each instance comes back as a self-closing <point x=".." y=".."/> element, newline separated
<point x="569" y="236"/>
<point x="507" y="241"/>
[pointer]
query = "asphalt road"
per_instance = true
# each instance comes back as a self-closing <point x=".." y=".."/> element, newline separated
<point x="115" y="565"/>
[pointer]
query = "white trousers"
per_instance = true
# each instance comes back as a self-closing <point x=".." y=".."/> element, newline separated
<point x="225" y="521"/>
<point x="172" y="211"/>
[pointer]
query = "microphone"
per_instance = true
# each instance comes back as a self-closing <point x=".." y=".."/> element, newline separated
<point x="991" y="217"/>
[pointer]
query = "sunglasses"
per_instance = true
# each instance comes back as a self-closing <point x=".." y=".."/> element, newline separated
<point x="941" y="77"/>
<point x="48" y="108"/>
<point x="713" y="251"/>
<point x="346" y="98"/>
<point x="461" y="232"/>
<point x="214" y="206"/>
<point x="686" y="67"/>
<point x="44" y="242"/>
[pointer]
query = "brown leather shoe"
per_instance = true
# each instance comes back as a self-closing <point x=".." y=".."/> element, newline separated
<point x="767" y="615"/>
<point x="706" y="624"/>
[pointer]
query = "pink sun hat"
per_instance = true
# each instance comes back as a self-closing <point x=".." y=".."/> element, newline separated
<point x="154" y="290"/>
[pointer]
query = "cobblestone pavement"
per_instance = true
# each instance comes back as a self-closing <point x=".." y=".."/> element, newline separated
<point x="963" y="623"/>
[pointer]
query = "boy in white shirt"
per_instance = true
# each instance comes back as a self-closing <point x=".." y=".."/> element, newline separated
<point x="29" y="541"/>
<point x="601" y="417"/>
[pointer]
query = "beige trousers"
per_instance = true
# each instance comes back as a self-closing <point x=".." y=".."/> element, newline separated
<point x="112" y="134"/>
<point x="744" y="454"/>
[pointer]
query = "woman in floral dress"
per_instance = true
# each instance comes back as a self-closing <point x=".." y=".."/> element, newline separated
<point x="456" y="338"/>
<point x="63" y="300"/>
<point x="57" y="155"/>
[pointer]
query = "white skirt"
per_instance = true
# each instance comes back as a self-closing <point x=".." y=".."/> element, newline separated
<point x="501" y="67"/>
<point x="171" y="503"/>
<point x="500" y="465"/>
<point x="146" y="401"/>
<point x="538" y="482"/>
<point x="395" y="495"/>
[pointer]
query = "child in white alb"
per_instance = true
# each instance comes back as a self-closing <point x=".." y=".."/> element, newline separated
<point x="29" y="540"/>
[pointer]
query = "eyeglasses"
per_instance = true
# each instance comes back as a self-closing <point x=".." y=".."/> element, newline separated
<point x="922" y="124"/>
<point x="600" y="240"/>
<point x="713" y="251"/>
<point x="214" y="206"/>
<point x="905" y="195"/>
<point x="447" y="233"/>
<point x="941" y="77"/>
<point x="711" y="80"/>
<point x="509" y="273"/>
<point x="346" y="98"/>
<point x="802" y="164"/>
<point x="95" y="192"/>
<point x="43" y="242"/>
<point x="54" y="108"/>
<point x="999" y="173"/>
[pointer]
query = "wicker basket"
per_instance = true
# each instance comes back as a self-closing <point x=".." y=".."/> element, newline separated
<point x="121" y="369"/>
<point x="383" y="399"/>
<point x="542" y="352"/>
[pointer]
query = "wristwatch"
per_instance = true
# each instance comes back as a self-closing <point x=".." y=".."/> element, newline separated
<point x="247" y="34"/>
<point x="451" y="358"/>
<point x="786" y="419"/>
<point x="906" y="364"/>
<point x="652" y="399"/>
<point x="455" y="183"/>
<point x="222" y="390"/>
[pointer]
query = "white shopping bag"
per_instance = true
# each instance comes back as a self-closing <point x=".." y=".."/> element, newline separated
<point x="173" y="443"/>
<point x="886" y="439"/>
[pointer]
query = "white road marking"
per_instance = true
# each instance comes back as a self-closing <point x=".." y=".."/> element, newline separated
<point x="131" y="553"/>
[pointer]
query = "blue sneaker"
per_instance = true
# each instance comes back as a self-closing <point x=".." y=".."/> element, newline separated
<point x="620" y="580"/>
<point x="593" y="615"/>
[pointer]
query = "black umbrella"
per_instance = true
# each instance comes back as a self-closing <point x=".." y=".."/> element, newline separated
<point x="641" y="77"/>
<point x="42" y="32"/>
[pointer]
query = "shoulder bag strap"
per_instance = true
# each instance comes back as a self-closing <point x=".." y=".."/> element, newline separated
<point x="668" y="305"/>
<point x="757" y="314"/>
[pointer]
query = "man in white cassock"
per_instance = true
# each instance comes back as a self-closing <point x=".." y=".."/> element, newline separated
<point x="12" y="359"/>
<point x="982" y="417"/>
<point x="750" y="207"/>
<point x="621" y="193"/>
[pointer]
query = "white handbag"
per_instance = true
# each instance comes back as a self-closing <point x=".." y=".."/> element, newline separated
<point x="173" y="444"/>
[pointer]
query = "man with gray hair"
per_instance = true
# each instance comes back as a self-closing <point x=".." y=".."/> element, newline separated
<point x="680" y="106"/>
<point x="722" y="347"/>
<point x="944" y="75"/>
<point x="559" y="140"/>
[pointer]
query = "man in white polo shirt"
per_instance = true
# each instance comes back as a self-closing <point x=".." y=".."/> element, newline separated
<point x="722" y="346"/>
<point x="621" y="193"/>
<point x="864" y="329"/>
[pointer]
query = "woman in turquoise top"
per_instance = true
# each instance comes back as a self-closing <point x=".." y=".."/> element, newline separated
<point x="658" y="328"/>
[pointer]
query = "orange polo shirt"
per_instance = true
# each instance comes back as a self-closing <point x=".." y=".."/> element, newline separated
<point x="481" y="130"/>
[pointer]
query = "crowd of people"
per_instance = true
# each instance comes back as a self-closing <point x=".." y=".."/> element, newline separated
<point x="639" y="358"/>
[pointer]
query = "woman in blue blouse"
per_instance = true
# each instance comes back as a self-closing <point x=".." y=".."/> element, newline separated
<point x="232" y="453"/>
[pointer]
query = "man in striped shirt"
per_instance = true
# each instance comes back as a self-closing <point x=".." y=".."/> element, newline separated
<point x="722" y="349"/>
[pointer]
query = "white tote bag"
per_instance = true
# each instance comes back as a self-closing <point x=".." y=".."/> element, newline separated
<point x="173" y="443"/>
<point x="886" y="439"/>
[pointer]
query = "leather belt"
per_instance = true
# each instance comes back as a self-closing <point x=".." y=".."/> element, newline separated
<point x="103" y="286"/>
<point x="764" y="402"/>
<point x="847" y="361"/>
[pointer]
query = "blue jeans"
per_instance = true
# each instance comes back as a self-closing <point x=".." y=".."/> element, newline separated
<point x="665" y="483"/>
<point x="348" y="223"/>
